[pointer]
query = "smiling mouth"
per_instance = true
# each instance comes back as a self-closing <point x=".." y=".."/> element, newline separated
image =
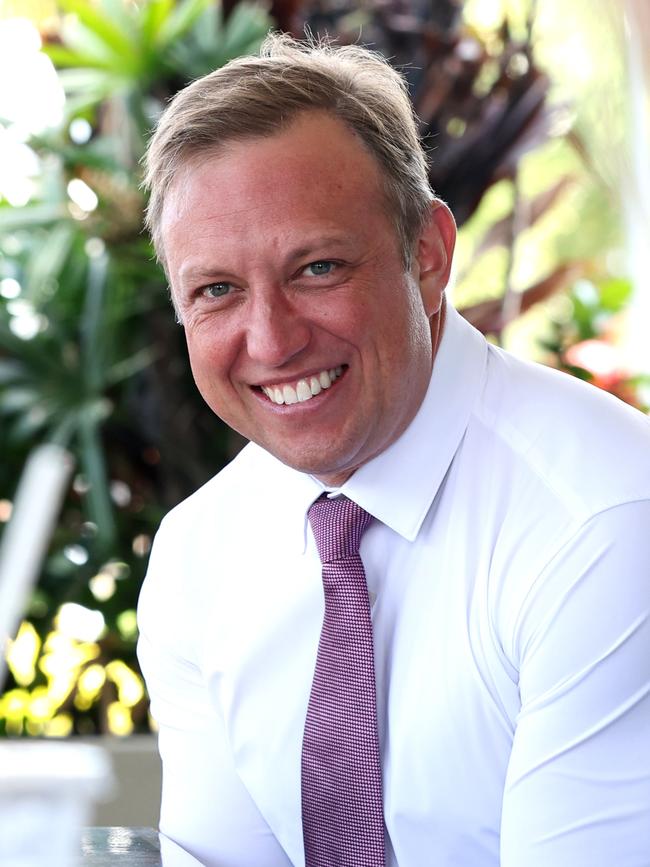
<point x="302" y="389"/>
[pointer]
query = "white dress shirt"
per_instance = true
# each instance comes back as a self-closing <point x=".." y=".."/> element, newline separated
<point x="509" y="574"/>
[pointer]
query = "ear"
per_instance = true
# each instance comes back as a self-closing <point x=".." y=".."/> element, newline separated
<point x="433" y="256"/>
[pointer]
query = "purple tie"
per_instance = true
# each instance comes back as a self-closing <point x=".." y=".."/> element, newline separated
<point x="342" y="813"/>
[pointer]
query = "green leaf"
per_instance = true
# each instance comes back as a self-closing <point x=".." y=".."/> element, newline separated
<point x="63" y="432"/>
<point x="47" y="261"/>
<point x="128" y="367"/>
<point x="31" y="216"/>
<point x="30" y="423"/>
<point x="64" y="58"/>
<point x="614" y="294"/>
<point x="210" y="44"/>
<point x="10" y="371"/>
<point x="96" y="81"/>
<point x="119" y="40"/>
<point x="92" y="326"/>
<point x="183" y="17"/>
<point x="583" y="317"/>
<point x="245" y="28"/>
<point x="17" y="399"/>
<point x="98" y="154"/>
<point x="89" y="100"/>
<point x="83" y="42"/>
<point x="126" y="15"/>
<point x="100" y="509"/>
<point x="153" y="17"/>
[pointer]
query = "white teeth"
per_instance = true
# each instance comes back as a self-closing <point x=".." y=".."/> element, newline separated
<point x="290" y="395"/>
<point x="304" y="389"/>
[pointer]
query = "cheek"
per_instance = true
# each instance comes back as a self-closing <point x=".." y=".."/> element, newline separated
<point x="420" y="331"/>
<point x="207" y="344"/>
<point x="209" y="362"/>
<point x="405" y="346"/>
<point x="418" y="323"/>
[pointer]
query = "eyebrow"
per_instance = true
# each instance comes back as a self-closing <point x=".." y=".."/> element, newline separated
<point x="324" y="241"/>
<point x="195" y="274"/>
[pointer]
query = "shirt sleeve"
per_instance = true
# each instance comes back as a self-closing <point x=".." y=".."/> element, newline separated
<point x="577" y="790"/>
<point x="205" y="807"/>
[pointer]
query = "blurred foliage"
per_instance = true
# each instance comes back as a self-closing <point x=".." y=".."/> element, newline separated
<point x="68" y="684"/>
<point x="584" y="339"/>
<point x="90" y="355"/>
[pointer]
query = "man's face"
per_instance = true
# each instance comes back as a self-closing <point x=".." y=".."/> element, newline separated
<point x="305" y="332"/>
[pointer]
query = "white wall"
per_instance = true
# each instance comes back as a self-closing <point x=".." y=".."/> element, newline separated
<point x="136" y="766"/>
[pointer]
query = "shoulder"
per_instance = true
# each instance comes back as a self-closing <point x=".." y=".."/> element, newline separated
<point x="232" y="491"/>
<point x="249" y="506"/>
<point x="559" y="473"/>
<point x="586" y="447"/>
<point x="204" y="522"/>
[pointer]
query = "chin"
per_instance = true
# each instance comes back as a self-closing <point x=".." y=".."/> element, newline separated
<point x="314" y="465"/>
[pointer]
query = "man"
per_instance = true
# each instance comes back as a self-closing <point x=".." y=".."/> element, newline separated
<point x="502" y="508"/>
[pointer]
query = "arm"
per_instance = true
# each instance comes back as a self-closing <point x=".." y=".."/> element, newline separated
<point x="205" y="807"/>
<point x="577" y="791"/>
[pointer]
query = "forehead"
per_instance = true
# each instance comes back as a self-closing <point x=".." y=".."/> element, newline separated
<point x="315" y="157"/>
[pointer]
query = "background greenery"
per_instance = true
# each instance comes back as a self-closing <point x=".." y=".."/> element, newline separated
<point x="90" y="355"/>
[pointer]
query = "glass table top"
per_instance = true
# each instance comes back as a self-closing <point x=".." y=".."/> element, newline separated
<point x="135" y="847"/>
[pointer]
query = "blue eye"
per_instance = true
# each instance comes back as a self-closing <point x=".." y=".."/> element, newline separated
<point x="320" y="269"/>
<point x="216" y="290"/>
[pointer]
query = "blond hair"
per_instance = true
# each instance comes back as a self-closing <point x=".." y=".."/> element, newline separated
<point x="261" y="95"/>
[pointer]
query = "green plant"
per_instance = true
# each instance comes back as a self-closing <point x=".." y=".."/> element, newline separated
<point x="583" y="339"/>
<point x="88" y="343"/>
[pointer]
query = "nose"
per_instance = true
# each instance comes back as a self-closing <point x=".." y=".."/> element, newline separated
<point x="276" y="332"/>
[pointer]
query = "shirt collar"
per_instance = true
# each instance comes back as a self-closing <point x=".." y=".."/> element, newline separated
<point x="399" y="485"/>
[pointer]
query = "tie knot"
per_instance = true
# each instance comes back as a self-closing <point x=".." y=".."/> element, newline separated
<point x="338" y="525"/>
